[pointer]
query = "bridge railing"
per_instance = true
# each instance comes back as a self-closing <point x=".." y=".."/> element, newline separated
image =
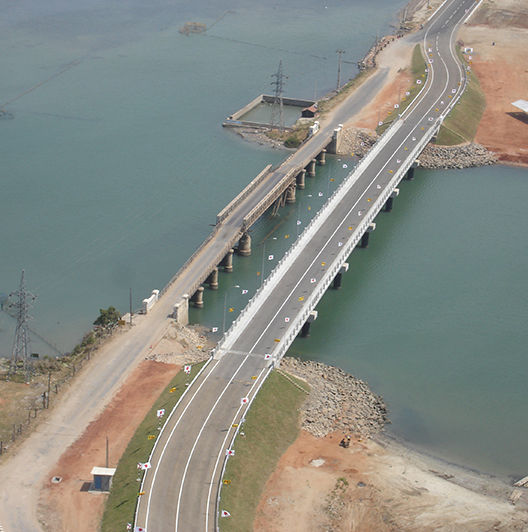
<point x="243" y="195"/>
<point x="290" y="256"/>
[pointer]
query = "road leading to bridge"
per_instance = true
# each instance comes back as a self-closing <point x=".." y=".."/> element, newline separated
<point x="181" y="489"/>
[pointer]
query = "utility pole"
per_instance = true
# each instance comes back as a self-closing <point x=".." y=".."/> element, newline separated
<point x="277" y="112"/>
<point x="130" y="306"/>
<point x="22" y="344"/>
<point x="340" y="52"/>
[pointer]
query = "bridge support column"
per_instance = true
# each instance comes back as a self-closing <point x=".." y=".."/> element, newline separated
<point x="366" y="235"/>
<point x="300" y="179"/>
<point x="311" y="168"/>
<point x="290" y="194"/>
<point x="180" y="310"/>
<point x="410" y="172"/>
<point x="197" y="298"/>
<point x="305" y="331"/>
<point x="321" y="158"/>
<point x="388" y="204"/>
<point x="227" y="262"/>
<point x="338" y="278"/>
<point x="244" y="245"/>
<point x="212" y="280"/>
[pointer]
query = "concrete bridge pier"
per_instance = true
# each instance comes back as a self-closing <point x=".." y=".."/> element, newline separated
<point x="212" y="280"/>
<point x="321" y="158"/>
<point x="305" y="331"/>
<point x="311" y="168"/>
<point x="227" y="261"/>
<point x="388" y="204"/>
<point x="290" y="194"/>
<point x="197" y="298"/>
<point x="300" y="179"/>
<point x="366" y="235"/>
<point x="244" y="245"/>
<point x="410" y="172"/>
<point x="339" y="276"/>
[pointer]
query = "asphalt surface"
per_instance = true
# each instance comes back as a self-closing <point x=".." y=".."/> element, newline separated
<point x="181" y="488"/>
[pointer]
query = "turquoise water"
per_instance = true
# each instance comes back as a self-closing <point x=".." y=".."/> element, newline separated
<point x="113" y="171"/>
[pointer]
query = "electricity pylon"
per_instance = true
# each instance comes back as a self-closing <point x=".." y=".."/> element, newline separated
<point x="22" y="345"/>
<point x="277" y="112"/>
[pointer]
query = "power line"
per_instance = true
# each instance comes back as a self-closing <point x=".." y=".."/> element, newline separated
<point x="340" y="52"/>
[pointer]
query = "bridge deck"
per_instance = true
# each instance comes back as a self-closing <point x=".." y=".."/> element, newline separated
<point x="185" y="494"/>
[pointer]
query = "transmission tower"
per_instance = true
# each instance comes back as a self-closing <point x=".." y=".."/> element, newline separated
<point x="22" y="345"/>
<point x="277" y="112"/>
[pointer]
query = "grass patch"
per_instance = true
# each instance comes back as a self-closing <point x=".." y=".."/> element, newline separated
<point x="417" y="72"/>
<point x="462" y="122"/>
<point x="121" y="503"/>
<point x="271" y="426"/>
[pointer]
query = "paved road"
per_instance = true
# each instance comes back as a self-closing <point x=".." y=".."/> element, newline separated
<point x="181" y="489"/>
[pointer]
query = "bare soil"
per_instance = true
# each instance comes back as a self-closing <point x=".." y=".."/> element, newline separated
<point x="68" y="505"/>
<point x="320" y="486"/>
<point x="498" y="34"/>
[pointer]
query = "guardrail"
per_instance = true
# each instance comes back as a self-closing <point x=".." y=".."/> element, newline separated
<point x="243" y="195"/>
<point x="291" y="255"/>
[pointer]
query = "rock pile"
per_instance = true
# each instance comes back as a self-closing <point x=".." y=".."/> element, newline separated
<point x="337" y="401"/>
<point x="449" y="157"/>
<point x="182" y="345"/>
<point x="358" y="141"/>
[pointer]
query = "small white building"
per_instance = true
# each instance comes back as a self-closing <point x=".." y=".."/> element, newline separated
<point x="102" y="478"/>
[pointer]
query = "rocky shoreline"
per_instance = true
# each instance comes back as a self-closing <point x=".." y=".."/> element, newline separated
<point x="337" y="401"/>
<point x="358" y="141"/>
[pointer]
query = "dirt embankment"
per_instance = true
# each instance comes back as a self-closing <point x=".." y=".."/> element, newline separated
<point x="375" y="485"/>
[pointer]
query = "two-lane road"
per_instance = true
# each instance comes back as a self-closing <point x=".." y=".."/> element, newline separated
<point x="181" y="489"/>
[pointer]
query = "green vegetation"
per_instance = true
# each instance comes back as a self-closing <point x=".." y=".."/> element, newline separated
<point x="418" y="66"/>
<point x="121" y="503"/>
<point x="461" y="124"/>
<point x="271" y="426"/>
<point x="108" y="317"/>
<point x="292" y="142"/>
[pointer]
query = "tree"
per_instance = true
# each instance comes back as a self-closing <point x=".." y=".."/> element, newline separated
<point x="108" y="317"/>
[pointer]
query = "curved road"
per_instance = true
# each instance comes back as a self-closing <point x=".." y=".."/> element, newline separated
<point x="181" y="488"/>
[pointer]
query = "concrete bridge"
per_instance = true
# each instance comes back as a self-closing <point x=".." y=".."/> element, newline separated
<point x="235" y="220"/>
<point x="183" y="488"/>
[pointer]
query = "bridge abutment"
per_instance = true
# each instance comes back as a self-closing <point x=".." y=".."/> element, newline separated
<point x="180" y="310"/>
